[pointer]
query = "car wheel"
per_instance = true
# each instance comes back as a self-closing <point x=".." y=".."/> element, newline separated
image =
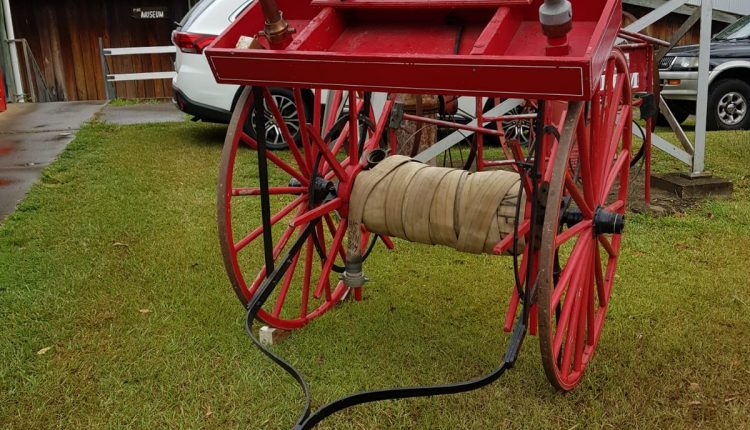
<point x="728" y="104"/>
<point x="515" y="129"/>
<point x="284" y="99"/>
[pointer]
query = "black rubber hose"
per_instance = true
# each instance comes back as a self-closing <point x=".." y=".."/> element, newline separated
<point x="642" y="150"/>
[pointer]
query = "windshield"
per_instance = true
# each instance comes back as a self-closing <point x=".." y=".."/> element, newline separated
<point x="738" y="30"/>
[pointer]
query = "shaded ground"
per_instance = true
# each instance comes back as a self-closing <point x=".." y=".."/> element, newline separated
<point x="115" y="312"/>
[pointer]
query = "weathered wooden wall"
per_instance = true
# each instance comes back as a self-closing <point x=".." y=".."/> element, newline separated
<point x="667" y="26"/>
<point x="63" y="34"/>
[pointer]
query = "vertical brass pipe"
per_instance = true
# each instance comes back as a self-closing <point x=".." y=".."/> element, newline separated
<point x="276" y="29"/>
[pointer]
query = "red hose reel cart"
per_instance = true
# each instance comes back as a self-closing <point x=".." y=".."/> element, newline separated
<point x="584" y="77"/>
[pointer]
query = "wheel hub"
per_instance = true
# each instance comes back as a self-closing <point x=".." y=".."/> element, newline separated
<point x="321" y="190"/>
<point x="608" y="222"/>
<point x="732" y="108"/>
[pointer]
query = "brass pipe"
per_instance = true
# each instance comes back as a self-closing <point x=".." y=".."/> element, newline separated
<point x="276" y="29"/>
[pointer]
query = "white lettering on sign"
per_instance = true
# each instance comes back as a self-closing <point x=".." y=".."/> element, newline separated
<point x="152" y="14"/>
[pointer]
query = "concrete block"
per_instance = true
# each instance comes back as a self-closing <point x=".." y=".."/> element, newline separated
<point x="693" y="188"/>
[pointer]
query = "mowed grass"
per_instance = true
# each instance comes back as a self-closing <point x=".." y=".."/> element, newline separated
<point x="115" y="312"/>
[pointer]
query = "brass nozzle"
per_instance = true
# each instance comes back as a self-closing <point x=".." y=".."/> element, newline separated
<point x="276" y="29"/>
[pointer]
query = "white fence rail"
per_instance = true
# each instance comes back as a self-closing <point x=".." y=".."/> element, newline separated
<point x="110" y="78"/>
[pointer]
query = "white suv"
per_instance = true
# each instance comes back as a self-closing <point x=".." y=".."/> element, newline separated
<point x="195" y="90"/>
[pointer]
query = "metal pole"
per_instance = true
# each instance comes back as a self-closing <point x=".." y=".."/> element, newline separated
<point x="701" y="111"/>
<point x="15" y="64"/>
<point x="109" y="91"/>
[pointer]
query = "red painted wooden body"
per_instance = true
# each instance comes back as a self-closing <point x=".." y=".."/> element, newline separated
<point x="405" y="46"/>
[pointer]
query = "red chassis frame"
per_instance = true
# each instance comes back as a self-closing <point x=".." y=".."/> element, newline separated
<point x="366" y="45"/>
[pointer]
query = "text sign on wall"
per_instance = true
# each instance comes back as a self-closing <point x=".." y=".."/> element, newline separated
<point x="159" y="12"/>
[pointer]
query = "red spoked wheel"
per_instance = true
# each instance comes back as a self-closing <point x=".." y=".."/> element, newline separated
<point x="587" y="183"/>
<point x="309" y="183"/>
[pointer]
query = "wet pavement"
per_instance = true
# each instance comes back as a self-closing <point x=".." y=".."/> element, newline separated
<point x="32" y="135"/>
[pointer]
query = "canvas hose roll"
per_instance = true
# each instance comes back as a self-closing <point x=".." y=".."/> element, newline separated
<point x="401" y="197"/>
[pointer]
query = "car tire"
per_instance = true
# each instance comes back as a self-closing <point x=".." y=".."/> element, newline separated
<point x="729" y="105"/>
<point x="284" y="99"/>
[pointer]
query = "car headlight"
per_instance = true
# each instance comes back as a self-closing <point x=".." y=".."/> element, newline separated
<point x="685" y="63"/>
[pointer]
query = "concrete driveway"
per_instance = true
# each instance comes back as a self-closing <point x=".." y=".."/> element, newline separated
<point x="32" y="135"/>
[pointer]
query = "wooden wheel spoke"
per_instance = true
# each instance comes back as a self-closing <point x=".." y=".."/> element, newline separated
<point x="607" y="246"/>
<point x="330" y="259"/>
<point x="274" y="219"/>
<point x="333" y="110"/>
<point x="329" y="157"/>
<point x="279" y="122"/>
<point x="344" y="135"/>
<point x="318" y="212"/>
<point x="571" y="332"/>
<point x="317" y="104"/>
<point x="353" y="129"/>
<point x="276" y="251"/>
<point x="374" y="140"/>
<point x="616" y="171"/>
<point x="330" y="175"/>
<point x="288" y="277"/>
<point x="307" y="277"/>
<point x="568" y="307"/>
<point x="575" y="194"/>
<point x="584" y="154"/>
<point x="575" y="259"/>
<point x="506" y="244"/>
<point x="590" y="309"/>
<point x="599" y="277"/>
<point x="580" y="228"/>
<point x="615" y="206"/>
<point x="283" y="165"/>
<point x="255" y="191"/>
<point x="332" y="230"/>
<point x="304" y="131"/>
<point x="583" y="318"/>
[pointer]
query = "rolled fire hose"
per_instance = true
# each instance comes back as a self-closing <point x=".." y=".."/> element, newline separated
<point x="403" y="198"/>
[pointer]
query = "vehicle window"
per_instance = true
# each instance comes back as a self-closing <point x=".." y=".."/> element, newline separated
<point x="195" y="11"/>
<point x="239" y="10"/>
<point x="738" y="30"/>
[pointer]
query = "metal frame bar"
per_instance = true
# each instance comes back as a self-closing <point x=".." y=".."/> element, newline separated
<point x="701" y="109"/>
<point x="691" y="154"/>
<point x="15" y="64"/>
<point x="38" y="90"/>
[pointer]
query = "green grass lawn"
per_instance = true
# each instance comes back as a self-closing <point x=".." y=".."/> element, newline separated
<point x="115" y="312"/>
